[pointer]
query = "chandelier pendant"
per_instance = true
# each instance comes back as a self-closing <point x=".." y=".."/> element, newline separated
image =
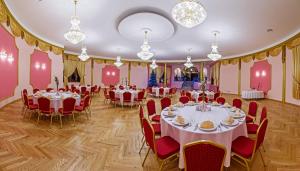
<point x="188" y="62"/>
<point x="145" y="53"/>
<point x="83" y="56"/>
<point x="153" y="65"/>
<point x="189" y="13"/>
<point x="214" y="55"/>
<point x="74" y="35"/>
<point x="118" y="62"/>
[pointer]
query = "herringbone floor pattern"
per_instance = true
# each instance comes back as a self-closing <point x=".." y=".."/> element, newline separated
<point x="110" y="141"/>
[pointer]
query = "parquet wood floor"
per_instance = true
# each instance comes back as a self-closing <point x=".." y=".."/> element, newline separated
<point x="110" y="141"/>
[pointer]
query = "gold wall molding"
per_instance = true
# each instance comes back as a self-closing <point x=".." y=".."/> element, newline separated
<point x="283" y="59"/>
<point x="240" y="77"/>
<point x="17" y="30"/>
<point x="165" y="75"/>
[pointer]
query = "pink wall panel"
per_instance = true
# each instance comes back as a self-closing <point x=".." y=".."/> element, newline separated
<point x="110" y="75"/>
<point x="40" y="69"/>
<point x="260" y="76"/>
<point x="8" y="70"/>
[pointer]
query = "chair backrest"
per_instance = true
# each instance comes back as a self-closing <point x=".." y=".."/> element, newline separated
<point x="189" y="95"/>
<point x="161" y="90"/>
<point x="173" y="90"/>
<point x="86" y="93"/>
<point x="67" y="88"/>
<point x="24" y="92"/>
<point x="35" y="90"/>
<point x="182" y="93"/>
<point x="221" y="100"/>
<point x="112" y="95"/>
<point x="263" y="114"/>
<point x="149" y="134"/>
<point x="204" y="155"/>
<point x="216" y="95"/>
<point x="252" y="108"/>
<point x="93" y="88"/>
<point x="141" y="116"/>
<point x="165" y="102"/>
<point x="151" y="107"/>
<point x="76" y="91"/>
<point x="69" y="104"/>
<point x="83" y="90"/>
<point x="237" y="103"/>
<point x="44" y="104"/>
<point x="25" y="98"/>
<point x="184" y="99"/>
<point x="62" y="89"/>
<point x="49" y="89"/>
<point x="126" y="96"/>
<point x="201" y="99"/>
<point x="121" y="87"/>
<point x="261" y="132"/>
<point x="87" y="100"/>
<point x="141" y="95"/>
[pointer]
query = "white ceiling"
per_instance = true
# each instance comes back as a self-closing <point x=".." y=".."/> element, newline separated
<point x="242" y="23"/>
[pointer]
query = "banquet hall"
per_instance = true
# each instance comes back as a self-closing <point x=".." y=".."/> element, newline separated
<point x="139" y="85"/>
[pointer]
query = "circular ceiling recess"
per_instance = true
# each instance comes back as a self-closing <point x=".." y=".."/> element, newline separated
<point x="133" y="27"/>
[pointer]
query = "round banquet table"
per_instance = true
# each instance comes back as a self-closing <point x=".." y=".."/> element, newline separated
<point x="209" y="94"/>
<point x="156" y="90"/>
<point x="252" y="94"/>
<point x="119" y="94"/>
<point x="56" y="100"/>
<point x="223" y="135"/>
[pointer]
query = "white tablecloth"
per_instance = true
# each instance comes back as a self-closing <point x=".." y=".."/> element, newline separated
<point x="119" y="94"/>
<point x="252" y="94"/>
<point x="223" y="136"/>
<point x="156" y="91"/>
<point x="209" y="94"/>
<point x="56" y="100"/>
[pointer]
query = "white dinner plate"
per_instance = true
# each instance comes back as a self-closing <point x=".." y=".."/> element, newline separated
<point x="235" y="116"/>
<point x="209" y="129"/>
<point x="179" y="124"/>
<point x="233" y="124"/>
<point x="167" y="108"/>
<point x="167" y="115"/>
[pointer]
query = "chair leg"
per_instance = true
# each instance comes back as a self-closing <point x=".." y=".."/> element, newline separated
<point x="38" y="119"/>
<point x="60" y="121"/>
<point x="262" y="158"/>
<point x="73" y="119"/>
<point x="146" y="156"/>
<point x="51" y="119"/>
<point x="142" y="147"/>
<point x="162" y="165"/>
<point x="263" y="147"/>
<point x="87" y="116"/>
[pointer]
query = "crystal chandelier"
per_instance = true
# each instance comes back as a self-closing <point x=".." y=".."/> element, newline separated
<point x="83" y="56"/>
<point x="74" y="35"/>
<point x="214" y="54"/>
<point x="145" y="53"/>
<point x="188" y="62"/>
<point x="189" y="13"/>
<point x="118" y="62"/>
<point x="153" y="65"/>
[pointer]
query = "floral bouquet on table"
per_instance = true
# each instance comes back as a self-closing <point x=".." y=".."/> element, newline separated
<point x="57" y="83"/>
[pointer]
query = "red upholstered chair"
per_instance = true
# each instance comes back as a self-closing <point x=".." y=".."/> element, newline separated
<point x="161" y="92"/>
<point x="61" y="89"/>
<point x="182" y="93"/>
<point x="93" y="89"/>
<point x="73" y="88"/>
<point x="127" y="98"/>
<point x="106" y="96"/>
<point x="68" y="108"/>
<point x="30" y="100"/>
<point x="121" y="87"/>
<point x="172" y="91"/>
<point x="237" y="103"/>
<point x="252" y="127"/>
<point x="152" y="111"/>
<point x="113" y="98"/>
<point x="83" y="89"/>
<point x="200" y="99"/>
<point x="184" y="99"/>
<point x="85" y="107"/>
<point x="165" y="102"/>
<point x="67" y="88"/>
<point x="76" y="91"/>
<point x="28" y="107"/>
<point x="189" y="94"/>
<point x="164" y="148"/>
<point x="35" y="90"/>
<point x="252" y="111"/>
<point x="44" y="108"/>
<point x="244" y="148"/>
<point x="203" y="156"/>
<point x="216" y="95"/>
<point x="156" y="126"/>
<point x="140" y="97"/>
<point x="49" y="89"/>
<point x="221" y="100"/>
<point x="97" y="90"/>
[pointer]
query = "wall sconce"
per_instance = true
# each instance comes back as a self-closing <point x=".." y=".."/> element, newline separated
<point x="3" y="56"/>
<point x="107" y="73"/>
<point x="37" y="65"/>
<point x="263" y="73"/>
<point x="43" y="66"/>
<point x="257" y="74"/>
<point x="113" y="73"/>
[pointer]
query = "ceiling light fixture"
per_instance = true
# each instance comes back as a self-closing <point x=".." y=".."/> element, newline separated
<point x="145" y="53"/>
<point x="189" y="13"/>
<point x="153" y="65"/>
<point x="188" y="62"/>
<point x="83" y="56"/>
<point x="118" y="62"/>
<point x="74" y="35"/>
<point x="214" y="54"/>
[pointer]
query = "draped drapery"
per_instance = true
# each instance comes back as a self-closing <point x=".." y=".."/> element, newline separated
<point x="296" y="72"/>
<point x="216" y="73"/>
<point x="70" y="66"/>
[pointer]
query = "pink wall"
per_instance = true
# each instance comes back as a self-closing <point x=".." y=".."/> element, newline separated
<point x="276" y="81"/>
<point x="40" y="69"/>
<point x="229" y="79"/>
<point x="260" y="76"/>
<point x="8" y="69"/>
<point x="245" y="75"/>
<point x="139" y="76"/>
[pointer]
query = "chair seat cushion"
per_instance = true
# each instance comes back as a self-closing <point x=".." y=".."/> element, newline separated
<point x="47" y="112"/>
<point x="166" y="146"/>
<point x="33" y="106"/>
<point x="249" y="119"/>
<point x="60" y="110"/>
<point x="79" y="108"/>
<point x="156" y="128"/>
<point x="156" y="118"/>
<point x="30" y="101"/>
<point x="252" y="128"/>
<point x="243" y="146"/>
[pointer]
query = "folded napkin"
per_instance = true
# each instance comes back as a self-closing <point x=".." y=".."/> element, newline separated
<point x="229" y="120"/>
<point x="180" y="119"/>
<point x="207" y="124"/>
